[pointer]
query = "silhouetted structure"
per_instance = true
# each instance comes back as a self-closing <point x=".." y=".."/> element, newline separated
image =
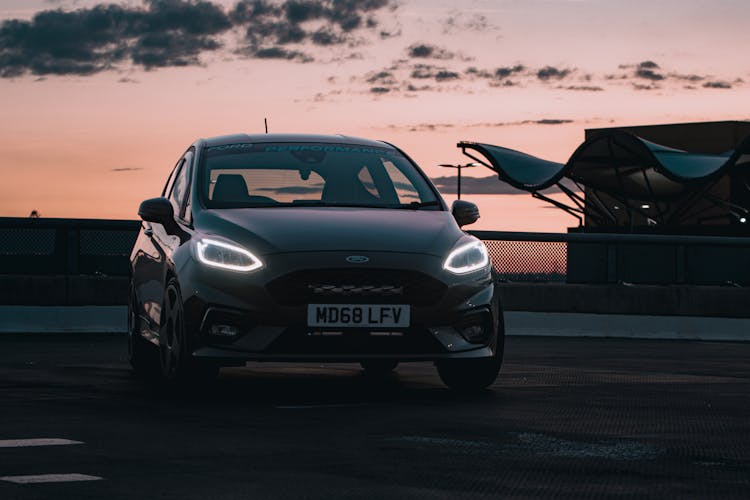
<point x="690" y="178"/>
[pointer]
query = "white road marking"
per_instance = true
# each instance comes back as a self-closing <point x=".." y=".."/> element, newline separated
<point x="20" y="443"/>
<point x="50" y="478"/>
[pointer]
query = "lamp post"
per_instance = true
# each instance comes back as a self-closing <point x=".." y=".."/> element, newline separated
<point x="459" y="168"/>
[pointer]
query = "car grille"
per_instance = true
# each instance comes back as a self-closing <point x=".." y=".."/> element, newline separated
<point x="356" y="285"/>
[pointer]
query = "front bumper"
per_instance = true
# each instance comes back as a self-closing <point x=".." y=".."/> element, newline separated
<point x="271" y="325"/>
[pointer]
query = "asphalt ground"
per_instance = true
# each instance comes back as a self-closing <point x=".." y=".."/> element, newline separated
<point x="568" y="418"/>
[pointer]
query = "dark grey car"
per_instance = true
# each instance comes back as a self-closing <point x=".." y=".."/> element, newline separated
<point x="309" y="248"/>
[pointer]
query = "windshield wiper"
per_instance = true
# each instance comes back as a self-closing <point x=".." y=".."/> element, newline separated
<point x="416" y="205"/>
<point x="317" y="203"/>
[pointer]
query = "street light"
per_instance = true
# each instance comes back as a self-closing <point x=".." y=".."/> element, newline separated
<point x="459" y="168"/>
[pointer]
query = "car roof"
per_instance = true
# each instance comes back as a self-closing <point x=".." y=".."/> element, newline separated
<point x="261" y="138"/>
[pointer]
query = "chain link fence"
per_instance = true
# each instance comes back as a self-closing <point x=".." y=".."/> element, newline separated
<point x="65" y="247"/>
<point x="537" y="261"/>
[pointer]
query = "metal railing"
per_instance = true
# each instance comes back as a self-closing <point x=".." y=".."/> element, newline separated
<point x="102" y="247"/>
<point x="619" y="258"/>
<point x="66" y="246"/>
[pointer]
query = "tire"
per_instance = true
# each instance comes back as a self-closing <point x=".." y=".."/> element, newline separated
<point x="142" y="355"/>
<point x="473" y="375"/>
<point x="469" y="375"/>
<point x="379" y="367"/>
<point x="178" y="367"/>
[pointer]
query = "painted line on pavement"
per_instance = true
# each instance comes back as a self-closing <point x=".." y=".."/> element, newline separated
<point x="21" y="443"/>
<point x="50" y="478"/>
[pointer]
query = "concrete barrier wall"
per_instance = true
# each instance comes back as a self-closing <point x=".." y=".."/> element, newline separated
<point x="669" y="300"/>
<point x="672" y="300"/>
<point x="24" y="290"/>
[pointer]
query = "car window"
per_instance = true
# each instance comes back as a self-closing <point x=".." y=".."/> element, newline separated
<point x="170" y="179"/>
<point x="179" y="189"/>
<point x="264" y="185"/>
<point x="366" y="179"/>
<point x="405" y="189"/>
<point x="185" y="212"/>
<point x="282" y="174"/>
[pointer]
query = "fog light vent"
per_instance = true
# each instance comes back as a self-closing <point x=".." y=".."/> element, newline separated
<point x="224" y="330"/>
<point x="475" y="328"/>
<point x="473" y="333"/>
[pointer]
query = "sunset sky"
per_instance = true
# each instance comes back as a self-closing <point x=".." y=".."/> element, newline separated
<point x="98" y="99"/>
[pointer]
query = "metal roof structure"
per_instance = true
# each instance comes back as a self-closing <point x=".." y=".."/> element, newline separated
<point x="624" y="179"/>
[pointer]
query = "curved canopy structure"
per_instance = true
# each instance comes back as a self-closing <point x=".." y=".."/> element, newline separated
<point x="636" y="173"/>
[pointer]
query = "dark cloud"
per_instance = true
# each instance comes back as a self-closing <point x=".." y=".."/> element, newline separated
<point x="445" y="75"/>
<point x="649" y="74"/>
<point x="125" y="169"/>
<point x="381" y="77"/>
<point x="161" y="33"/>
<point x="158" y="50"/>
<point x="717" y="85"/>
<point x="498" y="74"/>
<point x="272" y="24"/>
<point x="281" y="53"/>
<point x="478" y="73"/>
<point x="386" y="34"/>
<point x="505" y="72"/>
<point x="326" y="36"/>
<point x="485" y="185"/>
<point x="552" y="73"/>
<point x="647" y="71"/>
<point x="504" y="83"/>
<point x="423" y="71"/>
<point x="380" y="90"/>
<point x="87" y="41"/>
<point x="458" y="22"/>
<point x="421" y="88"/>
<point x="548" y="121"/>
<point x="427" y="51"/>
<point x="648" y="65"/>
<point x="474" y="185"/>
<point x="436" y="127"/>
<point x="429" y="71"/>
<point x="584" y="88"/>
<point x="687" y="78"/>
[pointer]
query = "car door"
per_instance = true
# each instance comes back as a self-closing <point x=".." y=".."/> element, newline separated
<point x="156" y="246"/>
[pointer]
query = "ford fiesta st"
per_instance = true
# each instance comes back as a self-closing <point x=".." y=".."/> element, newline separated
<point x="309" y="248"/>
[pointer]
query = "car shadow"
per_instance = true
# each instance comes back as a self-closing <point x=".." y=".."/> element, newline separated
<point x="298" y="386"/>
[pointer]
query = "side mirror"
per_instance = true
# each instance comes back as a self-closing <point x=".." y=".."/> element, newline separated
<point x="160" y="210"/>
<point x="157" y="210"/>
<point x="465" y="212"/>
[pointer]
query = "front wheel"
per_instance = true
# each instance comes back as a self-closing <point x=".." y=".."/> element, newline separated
<point x="469" y="374"/>
<point x="177" y="363"/>
<point x="143" y="356"/>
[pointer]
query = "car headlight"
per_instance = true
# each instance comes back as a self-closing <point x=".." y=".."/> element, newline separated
<point x="226" y="256"/>
<point x="467" y="258"/>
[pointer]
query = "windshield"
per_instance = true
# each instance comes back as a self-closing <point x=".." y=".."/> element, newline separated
<point x="290" y="174"/>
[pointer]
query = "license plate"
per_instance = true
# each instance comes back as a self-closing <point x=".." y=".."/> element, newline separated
<point x="358" y="315"/>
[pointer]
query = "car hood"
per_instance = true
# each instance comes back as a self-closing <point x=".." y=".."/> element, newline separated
<point x="295" y="229"/>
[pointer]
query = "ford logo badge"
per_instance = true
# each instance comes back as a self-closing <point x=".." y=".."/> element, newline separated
<point x="357" y="259"/>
